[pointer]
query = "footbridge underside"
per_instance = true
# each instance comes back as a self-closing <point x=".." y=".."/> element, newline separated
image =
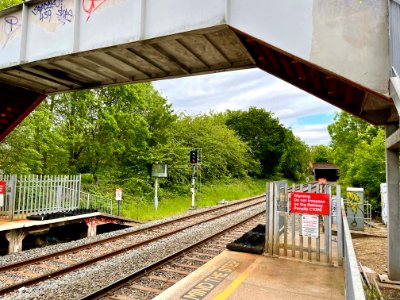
<point x="46" y="48"/>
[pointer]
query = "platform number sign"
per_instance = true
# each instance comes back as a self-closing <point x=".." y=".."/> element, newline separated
<point x="2" y="192"/>
<point x="118" y="194"/>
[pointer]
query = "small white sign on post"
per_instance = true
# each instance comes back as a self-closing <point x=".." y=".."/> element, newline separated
<point x="118" y="194"/>
<point x="310" y="225"/>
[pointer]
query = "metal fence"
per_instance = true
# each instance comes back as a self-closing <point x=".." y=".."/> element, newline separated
<point x="283" y="236"/>
<point x="96" y="202"/>
<point x="39" y="194"/>
<point x="283" y="227"/>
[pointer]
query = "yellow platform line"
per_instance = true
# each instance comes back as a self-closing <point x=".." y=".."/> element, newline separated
<point x="235" y="283"/>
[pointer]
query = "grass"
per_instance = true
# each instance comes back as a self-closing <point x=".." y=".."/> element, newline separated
<point x="210" y="195"/>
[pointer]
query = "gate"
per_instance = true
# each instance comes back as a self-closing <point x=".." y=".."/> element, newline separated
<point x="288" y="234"/>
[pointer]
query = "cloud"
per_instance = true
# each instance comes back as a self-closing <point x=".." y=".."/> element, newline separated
<point x="239" y="90"/>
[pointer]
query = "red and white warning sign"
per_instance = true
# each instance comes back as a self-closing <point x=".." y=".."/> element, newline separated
<point x="118" y="194"/>
<point x="309" y="203"/>
<point x="2" y="192"/>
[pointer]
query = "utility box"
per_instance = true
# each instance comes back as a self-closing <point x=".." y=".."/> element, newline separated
<point x="355" y="208"/>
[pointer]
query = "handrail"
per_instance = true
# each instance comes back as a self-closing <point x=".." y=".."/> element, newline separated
<point x="354" y="286"/>
<point x="92" y="201"/>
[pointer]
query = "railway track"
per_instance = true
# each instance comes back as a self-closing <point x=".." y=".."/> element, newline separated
<point x="25" y="273"/>
<point x="152" y="280"/>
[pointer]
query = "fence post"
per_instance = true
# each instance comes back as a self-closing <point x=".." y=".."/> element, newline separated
<point x="339" y="224"/>
<point x="88" y="201"/>
<point x="13" y="185"/>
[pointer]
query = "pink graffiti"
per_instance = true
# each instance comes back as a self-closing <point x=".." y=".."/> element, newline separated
<point x="90" y="6"/>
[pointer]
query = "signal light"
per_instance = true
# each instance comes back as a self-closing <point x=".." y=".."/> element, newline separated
<point x="193" y="157"/>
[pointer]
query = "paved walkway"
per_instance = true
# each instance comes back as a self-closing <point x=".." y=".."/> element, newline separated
<point x="243" y="276"/>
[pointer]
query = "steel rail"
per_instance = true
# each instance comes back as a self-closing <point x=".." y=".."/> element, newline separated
<point x="91" y="261"/>
<point x="102" y="292"/>
<point x="122" y="235"/>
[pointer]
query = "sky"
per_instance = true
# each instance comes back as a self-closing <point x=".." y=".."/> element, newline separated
<point x="306" y="115"/>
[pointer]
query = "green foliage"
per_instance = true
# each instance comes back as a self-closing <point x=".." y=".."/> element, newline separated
<point x="170" y="204"/>
<point x="7" y="3"/>
<point x="36" y="146"/>
<point x="224" y="154"/>
<point x="368" y="168"/>
<point x="113" y="135"/>
<point x="296" y="158"/>
<point x="359" y="151"/>
<point x="263" y="133"/>
<point x="321" y="153"/>
<point x="273" y="146"/>
<point x="346" y="132"/>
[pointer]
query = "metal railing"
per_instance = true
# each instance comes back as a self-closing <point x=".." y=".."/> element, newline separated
<point x="354" y="286"/>
<point x="96" y="202"/>
<point x="40" y="194"/>
<point x="46" y="193"/>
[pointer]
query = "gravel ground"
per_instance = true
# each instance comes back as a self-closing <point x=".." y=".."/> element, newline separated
<point x="371" y="249"/>
<point x="7" y="259"/>
<point x="79" y="283"/>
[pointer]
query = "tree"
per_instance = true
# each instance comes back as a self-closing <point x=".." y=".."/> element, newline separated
<point x="35" y="146"/>
<point x="321" y="153"/>
<point x="296" y="158"/>
<point x="359" y="152"/>
<point x="346" y="132"/>
<point x="368" y="168"/>
<point x="263" y="133"/>
<point x="224" y="154"/>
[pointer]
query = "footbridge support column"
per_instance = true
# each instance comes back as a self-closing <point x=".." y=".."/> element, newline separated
<point x="393" y="181"/>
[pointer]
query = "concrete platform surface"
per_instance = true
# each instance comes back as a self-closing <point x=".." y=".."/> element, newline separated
<point x="243" y="276"/>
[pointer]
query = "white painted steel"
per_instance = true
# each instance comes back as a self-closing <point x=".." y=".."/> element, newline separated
<point x="10" y="38"/>
<point x="282" y="232"/>
<point x="331" y="34"/>
<point x="113" y="22"/>
<point x="36" y="194"/>
<point x="354" y="286"/>
<point x="286" y="24"/>
<point x="166" y="17"/>
<point x="50" y="29"/>
<point x="339" y="223"/>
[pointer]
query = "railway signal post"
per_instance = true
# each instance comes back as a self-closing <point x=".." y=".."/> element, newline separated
<point x="195" y="159"/>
